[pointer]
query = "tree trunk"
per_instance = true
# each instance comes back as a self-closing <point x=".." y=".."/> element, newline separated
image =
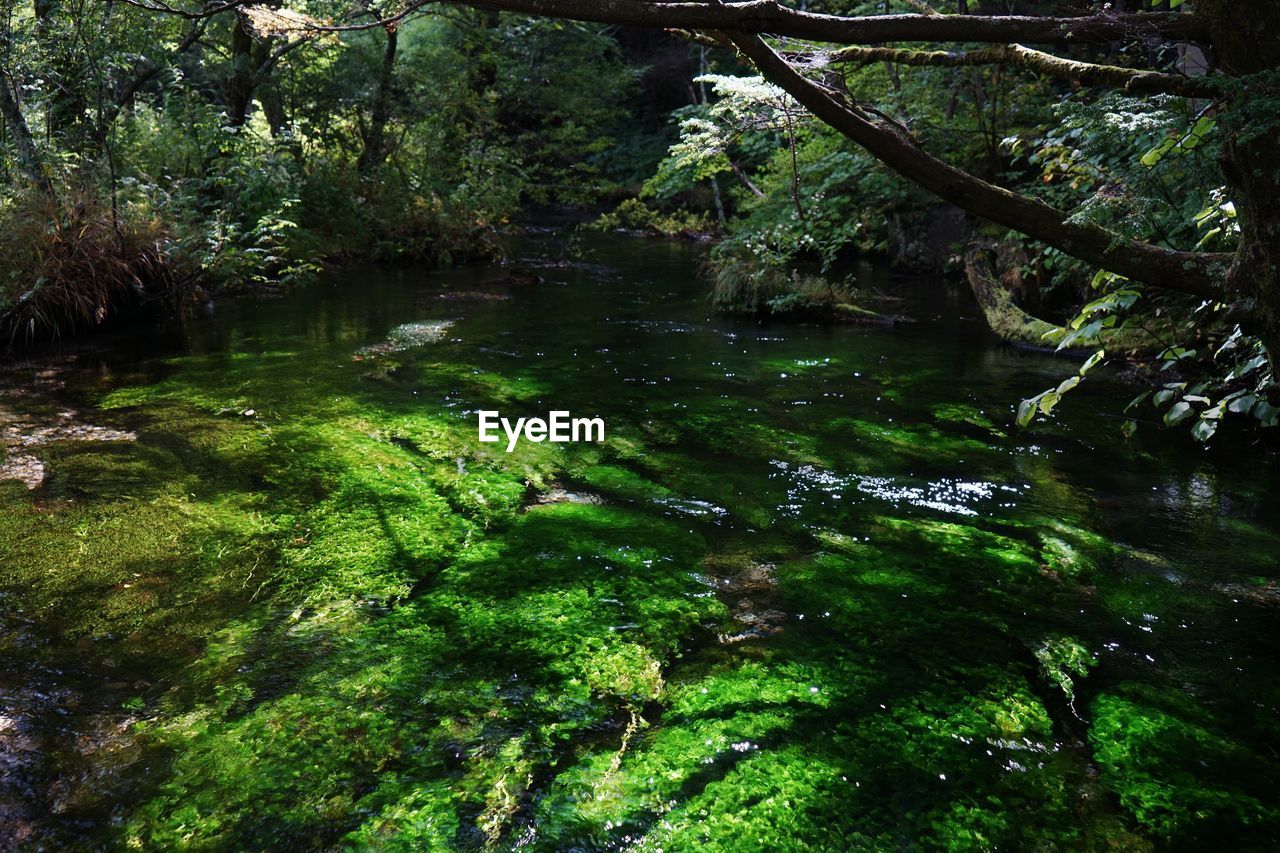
<point x="1246" y="40"/>
<point x="1004" y="317"/>
<point x="240" y="84"/>
<point x="375" y="149"/>
<point x="272" y="100"/>
<point x="29" y="160"/>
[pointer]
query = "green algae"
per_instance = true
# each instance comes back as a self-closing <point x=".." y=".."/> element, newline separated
<point x="972" y="416"/>
<point x="344" y="623"/>
<point x="1140" y="738"/>
<point x="1064" y="661"/>
<point x="556" y="666"/>
<point x="920" y="441"/>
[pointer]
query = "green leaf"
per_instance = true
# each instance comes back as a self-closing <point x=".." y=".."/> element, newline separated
<point x="1128" y="428"/>
<point x="1137" y="401"/>
<point x="1067" y="384"/>
<point x="1198" y="135"/>
<point x="1267" y="413"/>
<point x="1027" y="411"/>
<point x="1248" y="367"/>
<point x="1086" y="333"/>
<point x="1177" y="354"/>
<point x="1179" y="413"/>
<point x="1155" y="155"/>
<point x="1094" y="361"/>
<point x="1048" y="400"/>
<point x="1204" y="430"/>
<point x="1242" y="404"/>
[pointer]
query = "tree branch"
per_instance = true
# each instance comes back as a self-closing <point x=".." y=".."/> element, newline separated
<point x="126" y="90"/>
<point x="768" y="16"/>
<point x="160" y="7"/>
<point x="30" y="161"/>
<point x="1008" y="320"/>
<point x="269" y="63"/>
<point x="1195" y="273"/>
<point x="1132" y="80"/>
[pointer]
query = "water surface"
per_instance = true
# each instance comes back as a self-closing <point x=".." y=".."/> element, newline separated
<point x="812" y="590"/>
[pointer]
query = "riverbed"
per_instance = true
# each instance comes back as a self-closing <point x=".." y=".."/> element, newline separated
<point x="262" y="586"/>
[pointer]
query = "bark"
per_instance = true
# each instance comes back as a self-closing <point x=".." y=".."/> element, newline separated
<point x="1194" y="273"/>
<point x="272" y="101"/>
<point x="1134" y="81"/>
<point x="746" y="181"/>
<point x="1246" y="40"/>
<point x="768" y="16"/>
<point x="252" y="62"/>
<point x="376" y="148"/>
<point x="30" y="162"/>
<point x="1004" y="317"/>
<point x="240" y="84"/>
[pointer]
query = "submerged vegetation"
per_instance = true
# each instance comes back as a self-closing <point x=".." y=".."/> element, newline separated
<point x="819" y="586"/>
<point x="308" y="609"/>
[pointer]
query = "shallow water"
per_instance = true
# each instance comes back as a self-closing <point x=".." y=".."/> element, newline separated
<point x="270" y="592"/>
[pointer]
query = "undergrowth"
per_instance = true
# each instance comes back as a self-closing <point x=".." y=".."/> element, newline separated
<point x="70" y="264"/>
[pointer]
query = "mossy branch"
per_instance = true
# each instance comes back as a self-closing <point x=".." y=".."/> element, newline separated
<point x="1195" y="273"/>
<point x="770" y="16"/>
<point x="1016" y="326"/>
<point x="1132" y="80"/>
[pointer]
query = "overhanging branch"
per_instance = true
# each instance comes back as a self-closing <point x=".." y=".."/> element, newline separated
<point x="1195" y="273"/>
<point x="768" y="16"/>
<point x="206" y="11"/>
<point x="1132" y="80"/>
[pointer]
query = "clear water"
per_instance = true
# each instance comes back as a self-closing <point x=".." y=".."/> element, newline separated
<point x="812" y="591"/>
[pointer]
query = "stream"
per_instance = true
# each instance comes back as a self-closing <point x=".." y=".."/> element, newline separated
<point x="261" y="587"/>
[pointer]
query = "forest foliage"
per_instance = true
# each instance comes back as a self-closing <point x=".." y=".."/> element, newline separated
<point x="134" y="120"/>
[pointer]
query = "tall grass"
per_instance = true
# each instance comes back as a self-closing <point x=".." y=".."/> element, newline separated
<point x="742" y="282"/>
<point x="72" y="264"/>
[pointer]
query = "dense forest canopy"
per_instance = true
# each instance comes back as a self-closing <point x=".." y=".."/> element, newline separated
<point x="163" y="147"/>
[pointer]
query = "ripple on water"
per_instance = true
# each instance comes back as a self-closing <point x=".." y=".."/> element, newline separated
<point x="953" y="495"/>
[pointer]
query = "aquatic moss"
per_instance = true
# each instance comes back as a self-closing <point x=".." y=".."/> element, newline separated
<point x="588" y="634"/>
<point x="911" y="441"/>
<point x="1064" y="661"/>
<point x="347" y="624"/>
<point x="967" y="415"/>
<point x="1141" y="737"/>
